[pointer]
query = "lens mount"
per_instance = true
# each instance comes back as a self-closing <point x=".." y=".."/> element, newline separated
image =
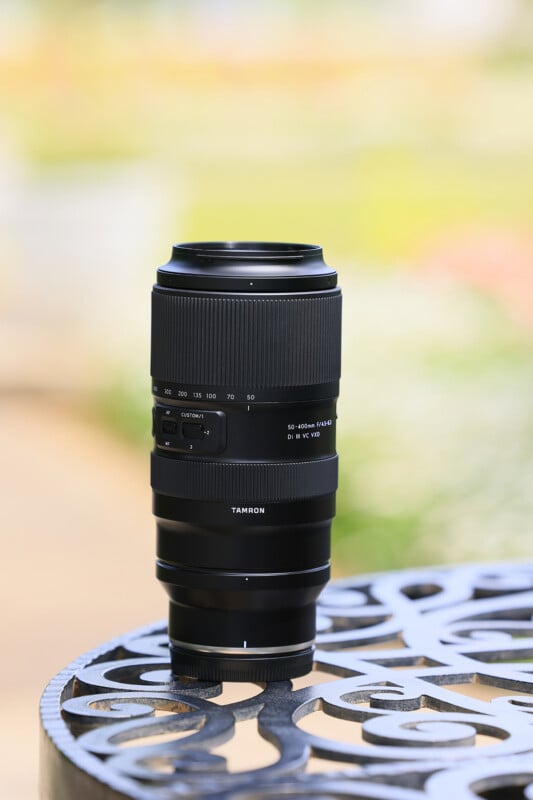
<point x="221" y="666"/>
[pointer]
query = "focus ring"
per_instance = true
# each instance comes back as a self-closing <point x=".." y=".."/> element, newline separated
<point x="250" y="341"/>
<point x="244" y="482"/>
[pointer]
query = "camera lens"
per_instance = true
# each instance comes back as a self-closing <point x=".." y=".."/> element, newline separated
<point x="245" y="364"/>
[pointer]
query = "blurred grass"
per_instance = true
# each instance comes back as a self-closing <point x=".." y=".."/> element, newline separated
<point x="124" y="404"/>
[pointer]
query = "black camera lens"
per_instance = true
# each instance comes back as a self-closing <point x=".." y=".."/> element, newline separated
<point x="245" y="364"/>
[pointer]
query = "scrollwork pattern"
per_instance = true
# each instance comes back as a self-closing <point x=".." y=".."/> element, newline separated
<point x="426" y="674"/>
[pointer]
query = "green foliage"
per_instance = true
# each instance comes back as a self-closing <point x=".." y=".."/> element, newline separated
<point x="366" y="541"/>
<point x="124" y="405"/>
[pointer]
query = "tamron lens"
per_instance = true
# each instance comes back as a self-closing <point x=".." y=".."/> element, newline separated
<point x="246" y="350"/>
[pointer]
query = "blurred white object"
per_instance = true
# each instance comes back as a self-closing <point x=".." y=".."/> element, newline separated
<point x="82" y="242"/>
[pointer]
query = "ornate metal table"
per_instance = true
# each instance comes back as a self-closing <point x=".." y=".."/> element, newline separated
<point x="422" y="688"/>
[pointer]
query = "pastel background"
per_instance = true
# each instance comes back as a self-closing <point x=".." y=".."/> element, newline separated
<point x="399" y="136"/>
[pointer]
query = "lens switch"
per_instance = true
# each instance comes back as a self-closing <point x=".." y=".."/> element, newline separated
<point x="169" y="426"/>
<point x="192" y="430"/>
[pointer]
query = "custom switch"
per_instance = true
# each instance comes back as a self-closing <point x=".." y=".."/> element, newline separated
<point x="192" y="430"/>
<point x="189" y="430"/>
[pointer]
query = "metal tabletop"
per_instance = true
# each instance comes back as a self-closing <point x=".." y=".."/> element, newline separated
<point x="422" y="688"/>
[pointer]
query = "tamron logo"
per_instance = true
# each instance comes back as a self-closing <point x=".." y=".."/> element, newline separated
<point x="248" y="509"/>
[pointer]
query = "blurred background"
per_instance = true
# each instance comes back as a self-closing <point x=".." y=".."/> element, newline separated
<point x="399" y="136"/>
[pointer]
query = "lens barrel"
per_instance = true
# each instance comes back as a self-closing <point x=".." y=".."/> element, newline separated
<point x="245" y="364"/>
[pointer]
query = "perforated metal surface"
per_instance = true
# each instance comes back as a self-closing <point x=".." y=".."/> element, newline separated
<point x="423" y="689"/>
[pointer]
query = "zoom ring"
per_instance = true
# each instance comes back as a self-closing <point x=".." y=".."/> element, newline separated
<point x="250" y="341"/>
<point x="236" y="482"/>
